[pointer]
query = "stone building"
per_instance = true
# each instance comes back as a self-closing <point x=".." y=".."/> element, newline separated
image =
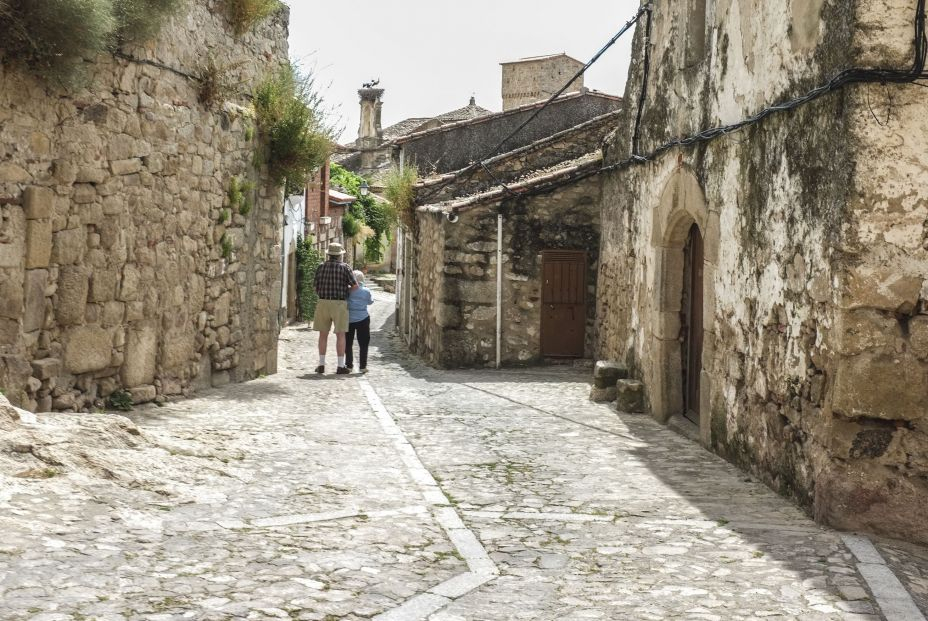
<point x="455" y="307"/>
<point x="119" y="264"/>
<point x="372" y="154"/>
<point x="529" y="80"/>
<point x="772" y="285"/>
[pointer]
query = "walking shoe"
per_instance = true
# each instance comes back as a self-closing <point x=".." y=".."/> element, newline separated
<point x="363" y="369"/>
<point x="320" y="369"/>
<point x="342" y="371"/>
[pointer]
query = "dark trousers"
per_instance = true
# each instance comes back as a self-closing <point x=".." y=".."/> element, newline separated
<point x="363" y="330"/>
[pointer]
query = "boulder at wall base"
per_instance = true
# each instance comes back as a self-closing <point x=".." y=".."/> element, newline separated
<point x="606" y="373"/>
<point x="10" y="412"/>
<point x="629" y="396"/>
<point x="602" y="395"/>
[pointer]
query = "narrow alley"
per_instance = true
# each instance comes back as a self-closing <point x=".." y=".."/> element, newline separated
<point x="413" y="493"/>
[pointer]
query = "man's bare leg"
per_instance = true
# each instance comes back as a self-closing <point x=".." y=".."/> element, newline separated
<point x="324" y="342"/>
<point x="340" y="343"/>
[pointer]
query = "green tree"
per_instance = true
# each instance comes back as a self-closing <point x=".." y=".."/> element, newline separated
<point x="377" y="215"/>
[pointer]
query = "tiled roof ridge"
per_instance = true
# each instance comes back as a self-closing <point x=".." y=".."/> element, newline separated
<point x="438" y="179"/>
<point x="581" y="167"/>
<point x="496" y="115"/>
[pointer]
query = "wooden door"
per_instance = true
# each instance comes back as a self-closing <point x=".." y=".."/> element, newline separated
<point x="693" y="322"/>
<point x="563" y="298"/>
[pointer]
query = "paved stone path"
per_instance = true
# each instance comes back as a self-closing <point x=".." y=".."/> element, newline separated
<point x="412" y="493"/>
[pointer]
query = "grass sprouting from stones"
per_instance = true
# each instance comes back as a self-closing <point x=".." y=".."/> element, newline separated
<point x="41" y="37"/>
<point x="244" y="14"/>
<point x="119" y="400"/>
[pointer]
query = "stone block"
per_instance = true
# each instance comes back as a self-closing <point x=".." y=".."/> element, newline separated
<point x="46" y="368"/>
<point x="87" y="349"/>
<point x="221" y="310"/>
<point x="129" y="287"/>
<point x="220" y="379"/>
<point x="881" y="386"/>
<point x="629" y="396"/>
<point x="91" y="175"/>
<point x="71" y="300"/>
<point x="607" y="372"/>
<point x="34" y="310"/>
<point x="141" y="356"/>
<point x="84" y="193"/>
<point x="126" y="167"/>
<point x="103" y="285"/>
<point x="143" y="394"/>
<point x="12" y="173"/>
<point x="11" y="293"/>
<point x="69" y="246"/>
<point x="603" y="395"/>
<point x="113" y="314"/>
<point x="866" y="330"/>
<point x="883" y="288"/>
<point x="918" y="336"/>
<point x="177" y="352"/>
<point x="38" y="243"/>
<point x="38" y="203"/>
<point x="14" y="377"/>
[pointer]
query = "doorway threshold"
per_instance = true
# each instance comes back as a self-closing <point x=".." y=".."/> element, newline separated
<point x="685" y="427"/>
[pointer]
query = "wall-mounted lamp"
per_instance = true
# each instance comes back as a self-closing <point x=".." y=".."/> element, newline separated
<point x="364" y="189"/>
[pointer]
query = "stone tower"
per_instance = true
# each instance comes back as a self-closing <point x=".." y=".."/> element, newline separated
<point x="532" y="79"/>
<point x="370" y="133"/>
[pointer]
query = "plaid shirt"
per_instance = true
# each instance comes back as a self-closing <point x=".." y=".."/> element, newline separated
<point x="333" y="279"/>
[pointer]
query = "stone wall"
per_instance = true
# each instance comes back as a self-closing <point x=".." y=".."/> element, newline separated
<point x="117" y="266"/>
<point x="455" y="146"/>
<point x="456" y="288"/>
<point x="813" y="372"/>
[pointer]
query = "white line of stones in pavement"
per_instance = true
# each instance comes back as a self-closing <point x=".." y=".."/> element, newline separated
<point x="894" y="600"/>
<point x="482" y="568"/>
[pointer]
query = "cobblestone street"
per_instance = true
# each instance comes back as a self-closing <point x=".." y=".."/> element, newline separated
<point x="413" y="493"/>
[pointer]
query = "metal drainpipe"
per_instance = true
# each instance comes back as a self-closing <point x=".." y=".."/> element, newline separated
<point x="499" y="287"/>
<point x="282" y="309"/>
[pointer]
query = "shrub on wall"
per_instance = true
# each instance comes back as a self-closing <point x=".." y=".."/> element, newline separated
<point x="244" y="14"/>
<point x="43" y="37"/>
<point x="400" y="188"/>
<point x="140" y="20"/>
<point x="53" y="37"/>
<point x="290" y="117"/>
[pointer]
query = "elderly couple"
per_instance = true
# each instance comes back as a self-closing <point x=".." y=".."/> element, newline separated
<point x="343" y="302"/>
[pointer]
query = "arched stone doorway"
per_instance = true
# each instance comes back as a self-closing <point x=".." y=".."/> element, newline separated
<point x="685" y="242"/>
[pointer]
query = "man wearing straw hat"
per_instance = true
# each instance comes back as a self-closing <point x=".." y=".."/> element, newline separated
<point x="334" y="279"/>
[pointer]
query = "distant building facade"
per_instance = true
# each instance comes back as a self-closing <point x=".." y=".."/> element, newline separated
<point x="529" y="80"/>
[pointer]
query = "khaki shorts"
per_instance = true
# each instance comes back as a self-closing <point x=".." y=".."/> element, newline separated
<point x="330" y="312"/>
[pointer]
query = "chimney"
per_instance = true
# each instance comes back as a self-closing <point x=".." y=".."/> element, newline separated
<point x="370" y="133"/>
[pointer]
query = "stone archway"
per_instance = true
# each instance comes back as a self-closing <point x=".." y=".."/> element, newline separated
<point x="682" y="205"/>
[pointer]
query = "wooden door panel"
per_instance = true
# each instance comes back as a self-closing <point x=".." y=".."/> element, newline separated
<point x="563" y="295"/>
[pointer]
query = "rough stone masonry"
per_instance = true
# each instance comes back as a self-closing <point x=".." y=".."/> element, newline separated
<point x="118" y="267"/>
<point x="814" y="333"/>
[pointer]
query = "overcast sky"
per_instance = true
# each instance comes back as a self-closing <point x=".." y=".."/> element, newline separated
<point x="432" y="56"/>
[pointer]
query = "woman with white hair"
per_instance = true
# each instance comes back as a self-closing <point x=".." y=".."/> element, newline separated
<point x="359" y="322"/>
